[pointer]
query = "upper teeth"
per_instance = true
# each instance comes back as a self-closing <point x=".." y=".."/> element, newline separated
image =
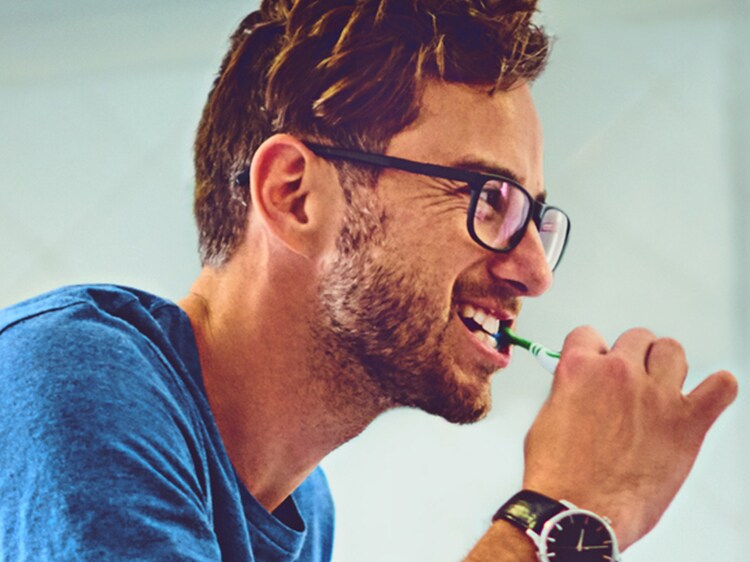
<point x="489" y="323"/>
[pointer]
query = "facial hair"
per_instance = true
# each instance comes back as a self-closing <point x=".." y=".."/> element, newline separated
<point x="383" y="331"/>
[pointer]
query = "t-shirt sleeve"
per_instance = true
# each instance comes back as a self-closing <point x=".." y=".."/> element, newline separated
<point x="99" y="455"/>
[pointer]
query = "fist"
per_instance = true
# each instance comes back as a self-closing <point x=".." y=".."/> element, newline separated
<point x="617" y="435"/>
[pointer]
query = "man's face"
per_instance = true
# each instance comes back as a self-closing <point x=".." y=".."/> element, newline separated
<point x="398" y="307"/>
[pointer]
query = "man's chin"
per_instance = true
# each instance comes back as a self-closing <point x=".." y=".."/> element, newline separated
<point x="465" y="415"/>
<point x="461" y="406"/>
<point x="452" y="394"/>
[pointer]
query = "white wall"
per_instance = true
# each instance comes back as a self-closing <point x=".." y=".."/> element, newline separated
<point x="646" y="118"/>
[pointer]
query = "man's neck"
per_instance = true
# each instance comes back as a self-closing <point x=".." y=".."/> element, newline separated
<point x="276" y="402"/>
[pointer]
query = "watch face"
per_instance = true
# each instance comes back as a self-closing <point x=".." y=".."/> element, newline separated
<point x="578" y="537"/>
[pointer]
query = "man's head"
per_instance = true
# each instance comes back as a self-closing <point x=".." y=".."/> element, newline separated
<point x="398" y="304"/>
<point x="416" y="304"/>
<point x="347" y="71"/>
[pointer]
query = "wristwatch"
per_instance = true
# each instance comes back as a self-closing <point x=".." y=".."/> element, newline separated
<point x="561" y="531"/>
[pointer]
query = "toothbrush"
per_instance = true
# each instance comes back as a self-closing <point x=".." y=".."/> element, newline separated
<point x="546" y="357"/>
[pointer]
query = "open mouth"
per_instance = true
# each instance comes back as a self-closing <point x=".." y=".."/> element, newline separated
<point x="483" y="325"/>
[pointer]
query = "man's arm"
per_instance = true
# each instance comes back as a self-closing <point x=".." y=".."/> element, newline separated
<point x="616" y="436"/>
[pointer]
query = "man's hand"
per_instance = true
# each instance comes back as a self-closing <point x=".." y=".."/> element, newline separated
<point x="617" y="435"/>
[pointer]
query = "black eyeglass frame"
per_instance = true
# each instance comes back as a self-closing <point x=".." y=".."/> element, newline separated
<point x="474" y="180"/>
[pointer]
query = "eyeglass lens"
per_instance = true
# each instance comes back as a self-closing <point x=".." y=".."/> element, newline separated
<point x="553" y="230"/>
<point x="501" y="213"/>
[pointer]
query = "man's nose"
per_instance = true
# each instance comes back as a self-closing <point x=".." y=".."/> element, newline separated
<point x="524" y="268"/>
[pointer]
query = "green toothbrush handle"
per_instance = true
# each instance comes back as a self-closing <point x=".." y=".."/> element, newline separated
<point x="547" y="358"/>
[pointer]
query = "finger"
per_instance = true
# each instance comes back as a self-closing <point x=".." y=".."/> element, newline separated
<point x="587" y="338"/>
<point x="711" y="397"/>
<point x="635" y="344"/>
<point x="666" y="361"/>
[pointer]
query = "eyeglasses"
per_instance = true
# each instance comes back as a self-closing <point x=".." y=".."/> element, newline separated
<point x="499" y="211"/>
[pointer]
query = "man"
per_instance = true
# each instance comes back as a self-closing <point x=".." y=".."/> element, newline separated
<point x="370" y="202"/>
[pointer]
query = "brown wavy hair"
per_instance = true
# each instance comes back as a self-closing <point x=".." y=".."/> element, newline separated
<point x="350" y="72"/>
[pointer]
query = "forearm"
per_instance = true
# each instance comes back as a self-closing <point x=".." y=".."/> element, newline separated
<point x="503" y="543"/>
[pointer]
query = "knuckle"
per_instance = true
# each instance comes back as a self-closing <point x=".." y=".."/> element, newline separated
<point x="575" y="356"/>
<point x="579" y="364"/>
<point x="619" y="367"/>
<point x="642" y="332"/>
<point x="573" y="360"/>
<point x="580" y="333"/>
<point x="671" y="349"/>
<point x="671" y="344"/>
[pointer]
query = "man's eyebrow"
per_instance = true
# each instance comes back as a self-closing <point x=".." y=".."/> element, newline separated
<point x="485" y="167"/>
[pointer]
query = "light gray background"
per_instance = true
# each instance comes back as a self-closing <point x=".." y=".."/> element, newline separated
<point x="645" y="106"/>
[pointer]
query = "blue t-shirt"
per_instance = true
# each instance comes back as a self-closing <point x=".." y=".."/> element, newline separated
<point x="109" y="450"/>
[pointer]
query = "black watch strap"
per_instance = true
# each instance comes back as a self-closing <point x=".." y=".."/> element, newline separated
<point x="529" y="510"/>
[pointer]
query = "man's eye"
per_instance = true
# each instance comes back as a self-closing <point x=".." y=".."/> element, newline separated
<point x="492" y="204"/>
<point x="492" y="197"/>
<point x="463" y="189"/>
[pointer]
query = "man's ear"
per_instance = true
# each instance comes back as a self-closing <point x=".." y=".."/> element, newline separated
<point x="295" y="194"/>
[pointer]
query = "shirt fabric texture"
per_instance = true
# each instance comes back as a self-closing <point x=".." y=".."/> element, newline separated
<point x="109" y="450"/>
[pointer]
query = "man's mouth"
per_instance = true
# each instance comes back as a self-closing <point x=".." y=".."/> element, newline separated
<point x="483" y="324"/>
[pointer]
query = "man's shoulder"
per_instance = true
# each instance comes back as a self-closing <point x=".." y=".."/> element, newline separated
<point x="87" y="300"/>
<point x="99" y="403"/>
<point x="95" y="335"/>
<point x="95" y="363"/>
<point x="84" y="318"/>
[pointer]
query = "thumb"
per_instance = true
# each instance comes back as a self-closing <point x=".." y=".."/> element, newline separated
<point x="712" y="396"/>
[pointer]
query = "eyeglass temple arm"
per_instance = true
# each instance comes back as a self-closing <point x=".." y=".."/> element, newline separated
<point x="384" y="161"/>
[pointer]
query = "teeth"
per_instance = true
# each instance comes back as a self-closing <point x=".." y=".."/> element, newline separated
<point x="487" y="340"/>
<point x="480" y="317"/>
<point x="488" y="322"/>
<point x="491" y="325"/>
